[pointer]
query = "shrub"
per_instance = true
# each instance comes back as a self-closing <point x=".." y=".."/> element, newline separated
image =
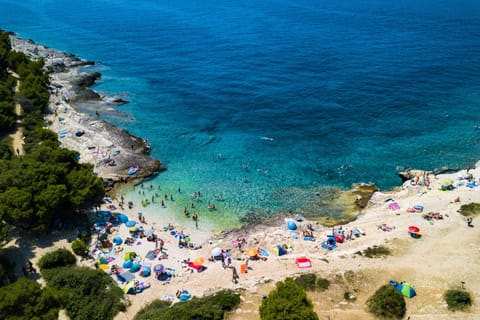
<point x="322" y="284"/>
<point x="470" y="209"/>
<point x="210" y="307"/>
<point x="307" y="281"/>
<point x="57" y="258"/>
<point x="375" y="251"/>
<point x="79" y="247"/>
<point x="288" y="301"/>
<point x="387" y="303"/>
<point x="458" y="299"/>
<point x="24" y="299"/>
<point x="85" y="293"/>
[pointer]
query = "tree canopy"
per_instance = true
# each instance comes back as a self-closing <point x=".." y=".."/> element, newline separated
<point x="288" y="301"/>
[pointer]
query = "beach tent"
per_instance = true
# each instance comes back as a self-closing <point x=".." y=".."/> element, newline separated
<point x="135" y="267"/>
<point x="339" y="238"/>
<point x="127" y="264"/>
<point x="291" y="225"/>
<point x="123" y="218"/>
<point x="130" y="223"/>
<point x="330" y="243"/>
<point x="129" y="288"/>
<point x="405" y="288"/>
<point x="145" y="271"/>
<point x="279" y="250"/>
<point x="159" y="268"/>
<point x="130" y="255"/>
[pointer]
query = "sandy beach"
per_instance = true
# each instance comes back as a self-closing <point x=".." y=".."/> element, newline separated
<point x="446" y="256"/>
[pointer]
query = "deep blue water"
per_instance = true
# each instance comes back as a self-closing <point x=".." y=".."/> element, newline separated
<point x="349" y="91"/>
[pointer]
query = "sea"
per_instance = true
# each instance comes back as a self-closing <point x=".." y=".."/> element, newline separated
<point x="263" y="107"/>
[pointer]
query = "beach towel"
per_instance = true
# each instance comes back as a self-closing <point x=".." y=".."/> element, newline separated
<point x="303" y="262"/>
<point x="151" y="255"/>
<point x="394" y="206"/>
<point x="199" y="268"/>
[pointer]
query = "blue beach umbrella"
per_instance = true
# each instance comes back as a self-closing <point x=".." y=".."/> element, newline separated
<point x="130" y="223"/>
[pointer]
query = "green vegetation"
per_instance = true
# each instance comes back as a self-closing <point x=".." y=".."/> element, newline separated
<point x="375" y="252"/>
<point x="24" y="299"/>
<point x="39" y="190"/>
<point x="288" y="301"/>
<point x="458" y="300"/>
<point x="210" y="307"/>
<point x="47" y="184"/>
<point x="79" y="247"/>
<point x="85" y="293"/>
<point x="471" y="209"/>
<point x="387" y="303"/>
<point x="310" y="282"/>
<point x="57" y="258"/>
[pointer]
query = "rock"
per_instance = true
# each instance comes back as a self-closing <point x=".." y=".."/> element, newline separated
<point x="101" y="140"/>
<point x="119" y="101"/>
<point x="363" y="193"/>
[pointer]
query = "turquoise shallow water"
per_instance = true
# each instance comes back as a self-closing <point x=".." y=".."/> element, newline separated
<point x="347" y="92"/>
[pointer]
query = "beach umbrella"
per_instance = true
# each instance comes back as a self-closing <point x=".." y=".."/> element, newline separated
<point x="216" y="251"/>
<point x="117" y="240"/>
<point x="414" y="229"/>
<point x="130" y="223"/>
<point x="149" y="232"/>
<point x="133" y="229"/>
<point x="158" y="268"/>
<point x="199" y="261"/>
<point x="252" y="252"/>
<point x="123" y="218"/>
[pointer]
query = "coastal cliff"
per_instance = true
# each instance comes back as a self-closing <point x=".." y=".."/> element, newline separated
<point x="117" y="155"/>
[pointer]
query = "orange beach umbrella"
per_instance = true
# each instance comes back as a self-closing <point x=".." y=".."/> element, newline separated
<point x="252" y="252"/>
<point x="199" y="261"/>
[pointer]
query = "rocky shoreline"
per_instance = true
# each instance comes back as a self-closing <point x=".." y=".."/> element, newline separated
<point x="114" y="152"/>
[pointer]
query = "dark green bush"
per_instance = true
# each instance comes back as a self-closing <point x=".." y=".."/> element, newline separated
<point x="307" y="281"/>
<point x="79" y="247"/>
<point x="458" y="300"/>
<point x="387" y="303"/>
<point x="471" y="209"/>
<point x="24" y="299"/>
<point x="85" y="293"/>
<point x="288" y="301"/>
<point x="375" y="251"/>
<point x="210" y="307"/>
<point x="57" y="258"/>
<point x="322" y="284"/>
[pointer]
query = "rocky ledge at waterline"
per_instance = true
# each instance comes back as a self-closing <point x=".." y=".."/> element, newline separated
<point x="117" y="155"/>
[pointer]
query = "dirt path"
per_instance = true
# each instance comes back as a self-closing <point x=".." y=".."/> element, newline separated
<point x="17" y="136"/>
